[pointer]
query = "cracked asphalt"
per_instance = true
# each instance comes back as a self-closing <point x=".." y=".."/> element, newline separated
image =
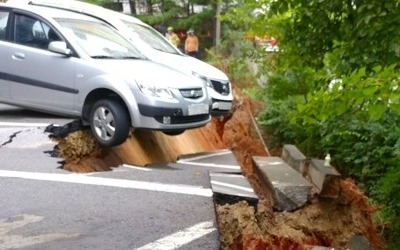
<point x="11" y="138"/>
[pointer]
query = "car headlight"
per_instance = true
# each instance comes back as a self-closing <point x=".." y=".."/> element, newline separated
<point x="204" y="79"/>
<point x="156" y="91"/>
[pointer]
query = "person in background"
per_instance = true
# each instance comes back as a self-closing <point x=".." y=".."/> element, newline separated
<point x="192" y="44"/>
<point x="272" y="41"/>
<point x="173" y="37"/>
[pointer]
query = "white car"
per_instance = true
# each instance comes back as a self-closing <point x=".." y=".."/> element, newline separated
<point x="157" y="48"/>
<point x="71" y="64"/>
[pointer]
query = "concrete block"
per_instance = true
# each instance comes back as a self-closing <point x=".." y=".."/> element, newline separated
<point x="325" y="179"/>
<point x="290" y="190"/>
<point x="295" y="158"/>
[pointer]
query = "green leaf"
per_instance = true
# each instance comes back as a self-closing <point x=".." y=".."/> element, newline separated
<point x="369" y="91"/>
<point x="341" y="108"/>
<point x="376" y="111"/>
<point x="395" y="107"/>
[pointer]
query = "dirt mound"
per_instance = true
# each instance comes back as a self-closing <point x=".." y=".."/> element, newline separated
<point x="324" y="222"/>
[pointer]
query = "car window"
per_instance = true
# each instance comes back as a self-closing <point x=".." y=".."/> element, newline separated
<point x="3" y="24"/>
<point x="98" y="39"/>
<point x="32" y="32"/>
<point x="151" y="37"/>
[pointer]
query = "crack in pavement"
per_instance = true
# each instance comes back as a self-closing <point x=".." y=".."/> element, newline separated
<point x="11" y="138"/>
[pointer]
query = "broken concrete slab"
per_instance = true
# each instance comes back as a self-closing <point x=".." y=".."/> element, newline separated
<point x="232" y="188"/>
<point x="232" y="184"/>
<point x="222" y="161"/>
<point x="295" y="158"/>
<point x="290" y="190"/>
<point x="325" y="179"/>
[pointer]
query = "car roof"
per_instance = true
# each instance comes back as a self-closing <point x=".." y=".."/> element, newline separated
<point x="82" y="7"/>
<point x="128" y="18"/>
<point x="45" y="11"/>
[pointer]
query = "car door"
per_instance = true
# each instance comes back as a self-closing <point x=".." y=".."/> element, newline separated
<point x="39" y="78"/>
<point x="4" y="86"/>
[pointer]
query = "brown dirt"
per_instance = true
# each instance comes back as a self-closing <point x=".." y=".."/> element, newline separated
<point x="323" y="222"/>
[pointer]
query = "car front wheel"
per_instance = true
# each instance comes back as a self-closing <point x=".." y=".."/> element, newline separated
<point x="109" y="122"/>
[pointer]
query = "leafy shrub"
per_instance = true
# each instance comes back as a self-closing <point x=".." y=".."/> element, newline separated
<point x="275" y="121"/>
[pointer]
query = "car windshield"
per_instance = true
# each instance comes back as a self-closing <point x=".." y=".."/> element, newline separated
<point x="99" y="40"/>
<point x="151" y="37"/>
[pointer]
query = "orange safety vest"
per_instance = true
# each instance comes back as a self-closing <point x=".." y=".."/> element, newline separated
<point x="191" y="44"/>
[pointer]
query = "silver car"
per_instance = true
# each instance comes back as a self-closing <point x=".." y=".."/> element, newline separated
<point x="70" y="64"/>
<point x="155" y="47"/>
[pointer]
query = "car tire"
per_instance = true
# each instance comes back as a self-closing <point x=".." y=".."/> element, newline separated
<point x="109" y="123"/>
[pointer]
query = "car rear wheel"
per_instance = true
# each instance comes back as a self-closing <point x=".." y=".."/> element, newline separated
<point x="109" y="122"/>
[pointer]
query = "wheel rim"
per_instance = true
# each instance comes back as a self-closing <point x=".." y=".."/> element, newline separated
<point x="104" y="123"/>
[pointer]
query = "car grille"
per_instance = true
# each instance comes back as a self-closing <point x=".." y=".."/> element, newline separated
<point x="185" y="119"/>
<point x="192" y="93"/>
<point x="221" y="87"/>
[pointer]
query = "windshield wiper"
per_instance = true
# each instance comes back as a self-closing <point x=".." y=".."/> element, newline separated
<point x="166" y="51"/>
<point x="159" y="49"/>
<point x="103" y="57"/>
<point x="130" y="57"/>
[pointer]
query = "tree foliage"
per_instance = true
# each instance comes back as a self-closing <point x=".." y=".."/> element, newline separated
<point x="335" y="86"/>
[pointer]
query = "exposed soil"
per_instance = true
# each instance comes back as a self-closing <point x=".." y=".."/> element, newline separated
<point x="323" y="222"/>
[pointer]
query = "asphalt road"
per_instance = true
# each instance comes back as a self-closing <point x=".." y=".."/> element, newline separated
<point x="45" y="207"/>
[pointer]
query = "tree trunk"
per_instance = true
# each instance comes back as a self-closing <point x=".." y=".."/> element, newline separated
<point x="187" y="9"/>
<point x="132" y="7"/>
<point x="149" y="7"/>
<point x="217" y="36"/>
<point x="162" y="6"/>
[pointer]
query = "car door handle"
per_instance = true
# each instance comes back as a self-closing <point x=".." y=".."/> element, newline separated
<point x="18" y="55"/>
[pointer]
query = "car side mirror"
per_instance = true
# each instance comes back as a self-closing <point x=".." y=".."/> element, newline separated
<point x="59" y="47"/>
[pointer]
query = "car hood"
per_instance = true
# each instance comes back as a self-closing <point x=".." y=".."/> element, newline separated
<point x="185" y="64"/>
<point x="151" y="72"/>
